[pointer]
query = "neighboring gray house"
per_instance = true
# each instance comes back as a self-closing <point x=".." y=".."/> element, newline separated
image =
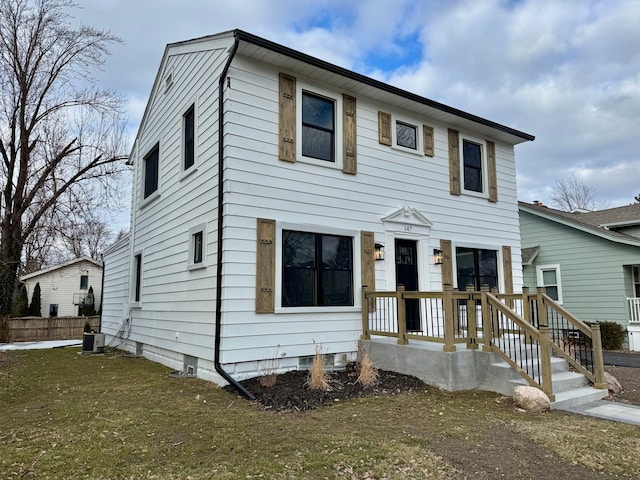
<point x="588" y="261"/>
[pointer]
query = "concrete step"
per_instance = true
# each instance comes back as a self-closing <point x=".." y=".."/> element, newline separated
<point x="557" y="365"/>
<point x="561" y="381"/>
<point x="578" y="396"/>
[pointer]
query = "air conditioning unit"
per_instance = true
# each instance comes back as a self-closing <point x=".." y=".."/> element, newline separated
<point x="93" y="343"/>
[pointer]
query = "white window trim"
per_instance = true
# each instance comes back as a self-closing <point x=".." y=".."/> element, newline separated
<point x="338" y="129"/>
<point x="132" y="291"/>
<point x="143" y="165"/>
<point x="419" y="151"/>
<point x="483" y="163"/>
<point x="194" y="168"/>
<point x="354" y="234"/>
<point x="192" y="231"/>
<point x="540" y="281"/>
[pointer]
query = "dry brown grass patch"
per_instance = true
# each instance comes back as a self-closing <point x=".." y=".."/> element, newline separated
<point x="318" y="377"/>
<point x="368" y="374"/>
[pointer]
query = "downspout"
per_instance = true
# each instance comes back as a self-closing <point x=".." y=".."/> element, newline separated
<point x="216" y="361"/>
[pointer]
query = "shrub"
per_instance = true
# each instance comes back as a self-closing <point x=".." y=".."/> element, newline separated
<point x="35" y="307"/>
<point x="612" y="335"/>
<point x="20" y="305"/>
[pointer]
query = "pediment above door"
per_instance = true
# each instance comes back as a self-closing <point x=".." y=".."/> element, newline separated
<point x="408" y="220"/>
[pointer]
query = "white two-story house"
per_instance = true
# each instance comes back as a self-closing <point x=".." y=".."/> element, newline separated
<point x="271" y="186"/>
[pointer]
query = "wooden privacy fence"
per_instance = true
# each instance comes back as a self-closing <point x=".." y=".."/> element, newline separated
<point x="30" y="329"/>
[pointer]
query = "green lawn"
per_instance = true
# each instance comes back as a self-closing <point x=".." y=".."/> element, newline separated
<point x="68" y="415"/>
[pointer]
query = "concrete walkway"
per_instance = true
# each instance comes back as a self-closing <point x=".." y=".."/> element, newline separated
<point x="615" y="411"/>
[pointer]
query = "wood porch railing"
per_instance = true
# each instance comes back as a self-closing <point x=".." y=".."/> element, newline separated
<point x="526" y="329"/>
<point x="634" y="309"/>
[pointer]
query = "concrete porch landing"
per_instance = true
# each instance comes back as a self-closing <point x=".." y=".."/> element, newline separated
<point x="467" y="369"/>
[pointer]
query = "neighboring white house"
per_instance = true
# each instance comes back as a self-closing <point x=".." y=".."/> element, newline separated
<point x="266" y="182"/>
<point x="64" y="287"/>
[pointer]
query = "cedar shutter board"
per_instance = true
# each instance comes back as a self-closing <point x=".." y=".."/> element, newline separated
<point x="287" y="119"/>
<point x="507" y="268"/>
<point x="349" y="139"/>
<point x="427" y="133"/>
<point x="491" y="167"/>
<point x="454" y="162"/>
<point x="368" y="265"/>
<point x="384" y="128"/>
<point x="447" y="263"/>
<point x="265" y="266"/>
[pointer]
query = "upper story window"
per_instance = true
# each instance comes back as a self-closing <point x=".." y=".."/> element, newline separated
<point x="151" y="171"/>
<point x="472" y="160"/>
<point x="318" y="127"/>
<point x="406" y="135"/>
<point x="317" y="269"/>
<point x="188" y="126"/>
<point x="84" y="282"/>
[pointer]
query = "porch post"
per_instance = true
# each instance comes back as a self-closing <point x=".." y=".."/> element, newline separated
<point x="472" y="328"/>
<point x="447" y="300"/>
<point x="541" y="307"/>
<point x="365" y="315"/>
<point x="494" y="317"/>
<point x="402" y="316"/>
<point x="598" y="359"/>
<point x="486" y="319"/>
<point x="545" y="361"/>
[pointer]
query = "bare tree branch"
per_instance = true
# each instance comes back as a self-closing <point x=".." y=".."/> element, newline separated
<point x="571" y="194"/>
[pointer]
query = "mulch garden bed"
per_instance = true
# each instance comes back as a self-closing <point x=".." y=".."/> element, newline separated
<point x="291" y="390"/>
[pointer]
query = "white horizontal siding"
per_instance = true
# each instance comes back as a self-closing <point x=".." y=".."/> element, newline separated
<point x="115" y="308"/>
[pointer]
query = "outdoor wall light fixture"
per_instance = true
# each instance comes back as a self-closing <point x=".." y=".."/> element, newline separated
<point x="379" y="251"/>
<point x="437" y="256"/>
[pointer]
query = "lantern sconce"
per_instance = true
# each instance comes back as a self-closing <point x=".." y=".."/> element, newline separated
<point x="437" y="256"/>
<point x="379" y="254"/>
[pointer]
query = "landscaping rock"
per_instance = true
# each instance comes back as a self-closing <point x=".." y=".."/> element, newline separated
<point x="612" y="383"/>
<point x="531" y="399"/>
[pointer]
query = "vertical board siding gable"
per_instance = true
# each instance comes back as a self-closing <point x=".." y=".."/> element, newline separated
<point x="287" y="119"/>
<point x="265" y="266"/>
<point x="454" y="162"/>
<point x="349" y="155"/>
<point x="507" y="268"/>
<point x="492" y="174"/>
<point x="384" y="128"/>
<point x="427" y="134"/>
<point x="447" y="263"/>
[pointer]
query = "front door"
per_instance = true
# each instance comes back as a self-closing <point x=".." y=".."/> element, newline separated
<point x="407" y="275"/>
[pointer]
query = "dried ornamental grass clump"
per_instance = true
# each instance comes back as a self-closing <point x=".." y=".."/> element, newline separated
<point x="318" y="377"/>
<point x="368" y="374"/>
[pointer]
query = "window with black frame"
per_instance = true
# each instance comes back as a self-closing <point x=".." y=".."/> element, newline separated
<point x="472" y="159"/>
<point x="318" y="127"/>
<point x="317" y="269"/>
<point x="151" y="171"/>
<point x="476" y="267"/>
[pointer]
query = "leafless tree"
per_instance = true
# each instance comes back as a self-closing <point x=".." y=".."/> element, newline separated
<point x="59" y="133"/>
<point x="571" y="193"/>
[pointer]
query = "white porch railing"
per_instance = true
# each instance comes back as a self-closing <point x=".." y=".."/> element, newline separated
<point x="634" y="308"/>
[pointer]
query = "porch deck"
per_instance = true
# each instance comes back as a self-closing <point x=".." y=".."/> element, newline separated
<point x="464" y="340"/>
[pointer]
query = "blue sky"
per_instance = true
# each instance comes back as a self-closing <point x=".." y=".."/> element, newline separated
<point x="566" y="71"/>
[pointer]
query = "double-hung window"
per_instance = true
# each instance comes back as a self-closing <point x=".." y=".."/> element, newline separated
<point x="318" y="127"/>
<point x="84" y="282"/>
<point x="472" y="159"/>
<point x="476" y="267"/>
<point x="548" y="276"/>
<point x="317" y="269"/>
<point x="151" y="171"/>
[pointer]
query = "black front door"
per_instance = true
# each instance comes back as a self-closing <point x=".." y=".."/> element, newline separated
<point x="407" y="275"/>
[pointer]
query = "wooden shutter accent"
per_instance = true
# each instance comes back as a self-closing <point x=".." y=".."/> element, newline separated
<point x="492" y="175"/>
<point x="447" y="263"/>
<point x="384" y="128"/>
<point x="349" y="143"/>
<point x="427" y="134"/>
<point x="287" y="121"/>
<point x="368" y="265"/>
<point x="454" y="162"/>
<point x="265" y="266"/>
<point x="507" y="268"/>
